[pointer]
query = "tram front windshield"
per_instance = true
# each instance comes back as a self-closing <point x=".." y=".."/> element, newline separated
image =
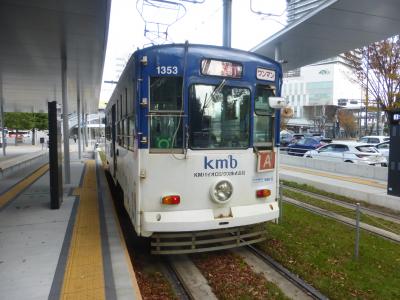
<point x="219" y="117"/>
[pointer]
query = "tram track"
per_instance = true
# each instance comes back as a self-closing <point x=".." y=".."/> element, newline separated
<point x="295" y="287"/>
<point x="181" y="290"/>
<point x="186" y="279"/>
<point x="365" y="210"/>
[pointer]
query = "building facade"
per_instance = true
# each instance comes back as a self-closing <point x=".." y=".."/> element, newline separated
<point x="317" y="91"/>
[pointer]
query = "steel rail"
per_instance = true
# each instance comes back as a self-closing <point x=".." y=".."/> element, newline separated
<point x="179" y="286"/>
<point x="369" y="211"/>
<point x="293" y="278"/>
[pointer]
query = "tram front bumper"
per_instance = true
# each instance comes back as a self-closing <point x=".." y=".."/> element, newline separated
<point x="197" y="220"/>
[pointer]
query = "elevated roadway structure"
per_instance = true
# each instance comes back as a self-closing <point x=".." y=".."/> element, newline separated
<point x="334" y="27"/>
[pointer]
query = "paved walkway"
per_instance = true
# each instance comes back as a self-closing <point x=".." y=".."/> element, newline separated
<point x="13" y="150"/>
<point x="75" y="252"/>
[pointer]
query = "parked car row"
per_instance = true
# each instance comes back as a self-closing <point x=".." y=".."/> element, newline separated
<point x="302" y="146"/>
<point x="369" y="150"/>
<point x="350" y="152"/>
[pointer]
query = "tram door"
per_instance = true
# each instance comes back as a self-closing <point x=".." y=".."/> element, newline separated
<point x="394" y="155"/>
<point x="113" y="139"/>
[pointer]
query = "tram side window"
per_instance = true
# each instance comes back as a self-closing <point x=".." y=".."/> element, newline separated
<point x="166" y="94"/>
<point x="108" y="128"/>
<point x="132" y="132"/>
<point x="118" y="133"/>
<point x="263" y="117"/>
<point x="166" y="114"/>
<point x="127" y="133"/>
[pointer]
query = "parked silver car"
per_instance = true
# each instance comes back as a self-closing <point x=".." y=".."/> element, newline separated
<point x="350" y="152"/>
<point x="373" y="139"/>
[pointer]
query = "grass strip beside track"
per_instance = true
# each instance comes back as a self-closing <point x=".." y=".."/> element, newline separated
<point x="374" y="221"/>
<point x="22" y="185"/>
<point x="321" y="251"/>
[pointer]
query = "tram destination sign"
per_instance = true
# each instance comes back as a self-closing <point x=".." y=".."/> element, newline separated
<point x="265" y="74"/>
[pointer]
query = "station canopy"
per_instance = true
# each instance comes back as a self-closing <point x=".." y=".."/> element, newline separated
<point x="331" y="29"/>
<point x="35" y="36"/>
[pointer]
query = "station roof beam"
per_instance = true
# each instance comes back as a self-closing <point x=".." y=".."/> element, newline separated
<point x="331" y="29"/>
<point x="35" y="36"/>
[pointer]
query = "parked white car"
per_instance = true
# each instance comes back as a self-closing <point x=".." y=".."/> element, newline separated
<point x="373" y="139"/>
<point x="384" y="149"/>
<point x="350" y="152"/>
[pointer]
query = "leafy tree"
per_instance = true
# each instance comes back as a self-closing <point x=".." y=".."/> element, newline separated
<point x="41" y="121"/>
<point x="24" y="121"/>
<point x="286" y="115"/>
<point x="380" y="63"/>
<point x="18" y="120"/>
<point x="347" y="122"/>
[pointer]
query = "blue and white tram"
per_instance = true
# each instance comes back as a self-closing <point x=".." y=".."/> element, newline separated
<point x="191" y="137"/>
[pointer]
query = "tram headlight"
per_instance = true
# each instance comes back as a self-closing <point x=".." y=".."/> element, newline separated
<point x="221" y="191"/>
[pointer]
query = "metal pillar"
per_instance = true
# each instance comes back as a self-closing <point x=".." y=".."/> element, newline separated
<point x="67" y="166"/>
<point x="86" y="130"/>
<point x="367" y="95"/>
<point x="55" y="160"/>
<point x="278" y="52"/>
<point x="227" y="25"/>
<point x="378" y="116"/>
<point x="2" y="124"/>
<point x="83" y="127"/>
<point x="78" y="100"/>
<point x="4" y="142"/>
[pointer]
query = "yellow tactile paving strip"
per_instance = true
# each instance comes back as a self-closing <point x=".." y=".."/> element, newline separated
<point x="84" y="274"/>
<point x="338" y="177"/>
<point x="23" y="184"/>
<point x="126" y="253"/>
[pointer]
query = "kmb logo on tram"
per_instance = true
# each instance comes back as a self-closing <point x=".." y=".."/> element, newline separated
<point x="215" y="164"/>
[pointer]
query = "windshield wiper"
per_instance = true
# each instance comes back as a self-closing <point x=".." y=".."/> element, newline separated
<point x="216" y="90"/>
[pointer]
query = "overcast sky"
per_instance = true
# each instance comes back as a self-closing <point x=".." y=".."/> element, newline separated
<point x="197" y="23"/>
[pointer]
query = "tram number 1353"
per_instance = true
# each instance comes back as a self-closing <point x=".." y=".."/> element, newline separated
<point x="167" y="70"/>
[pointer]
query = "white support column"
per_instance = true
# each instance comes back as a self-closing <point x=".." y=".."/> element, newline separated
<point x="278" y="52"/>
<point x="86" y="130"/>
<point x="4" y="142"/>
<point x="78" y="100"/>
<point x="67" y="167"/>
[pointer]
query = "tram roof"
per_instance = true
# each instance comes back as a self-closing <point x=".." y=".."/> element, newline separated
<point x="35" y="35"/>
<point x="333" y="28"/>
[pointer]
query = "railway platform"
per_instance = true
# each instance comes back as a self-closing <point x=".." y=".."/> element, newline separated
<point x="21" y="157"/>
<point x="75" y="252"/>
<point x="372" y="191"/>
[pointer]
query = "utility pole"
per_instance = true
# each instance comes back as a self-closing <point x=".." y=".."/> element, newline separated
<point x="367" y="95"/>
<point x="227" y="24"/>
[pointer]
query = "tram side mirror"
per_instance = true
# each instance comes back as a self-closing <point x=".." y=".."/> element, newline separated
<point x="277" y="102"/>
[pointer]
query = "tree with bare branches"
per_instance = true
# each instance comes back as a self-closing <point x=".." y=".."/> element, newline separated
<point x="377" y="69"/>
